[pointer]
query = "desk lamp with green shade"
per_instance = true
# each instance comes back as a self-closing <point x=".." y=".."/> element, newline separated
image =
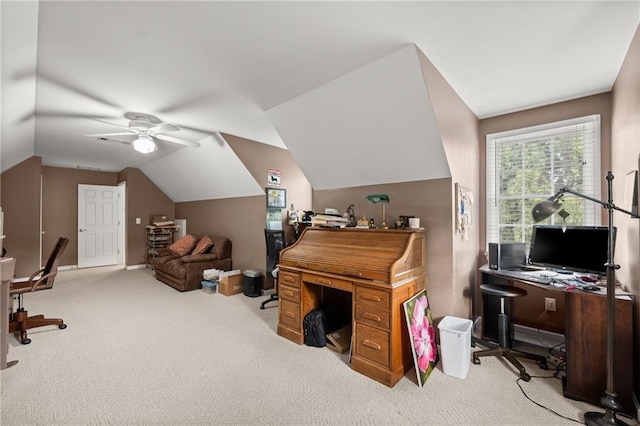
<point x="543" y="210"/>
<point x="380" y="199"/>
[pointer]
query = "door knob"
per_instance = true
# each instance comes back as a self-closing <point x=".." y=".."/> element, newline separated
<point x="82" y="230"/>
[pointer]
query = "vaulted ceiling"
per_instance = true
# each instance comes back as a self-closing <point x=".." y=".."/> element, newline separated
<point x="285" y="74"/>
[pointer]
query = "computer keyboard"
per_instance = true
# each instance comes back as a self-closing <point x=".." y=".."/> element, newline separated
<point x="525" y="277"/>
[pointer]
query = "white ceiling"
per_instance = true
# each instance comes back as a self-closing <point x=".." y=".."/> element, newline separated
<point x="221" y="66"/>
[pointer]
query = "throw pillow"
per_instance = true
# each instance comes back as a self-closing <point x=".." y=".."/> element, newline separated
<point x="203" y="245"/>
<point x="183" y="246"/>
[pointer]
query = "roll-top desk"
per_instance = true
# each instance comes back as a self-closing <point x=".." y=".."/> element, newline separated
<point x="381" y="269"/>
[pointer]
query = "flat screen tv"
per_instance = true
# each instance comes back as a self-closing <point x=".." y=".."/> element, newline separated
<point x="576" y="248"/>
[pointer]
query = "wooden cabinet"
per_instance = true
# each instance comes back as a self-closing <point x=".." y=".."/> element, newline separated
<point x="157" y="237"/>
<point x="369" y="274"/>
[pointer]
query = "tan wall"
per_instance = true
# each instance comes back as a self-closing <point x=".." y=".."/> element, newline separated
<point x="21" y="203"/>
<point x="21" y="206"/>
<point x="243" y="219"/>
<point x="458" y="127"/>
<point x="625" y="150"/>
<point x="60" y="206"/>
<point x="143" y="199"/>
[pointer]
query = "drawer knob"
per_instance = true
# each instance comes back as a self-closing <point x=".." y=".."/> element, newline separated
<point x="324" y="281"/>
<point x="371" y="297"/>
<point x="288" y="278"/>
<point x="372" y="317"/>
<point x="288" y="292"/>
<point x="290" y="314"/>
<point x="372" y="345"/>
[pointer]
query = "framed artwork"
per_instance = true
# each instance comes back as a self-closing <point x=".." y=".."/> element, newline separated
<point x="422" y="335"/>
<point x="276" y="198"/>
<point x="464" y="202"/>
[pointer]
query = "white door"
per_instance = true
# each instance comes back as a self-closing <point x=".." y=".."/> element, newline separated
<point x="97" y="225"/>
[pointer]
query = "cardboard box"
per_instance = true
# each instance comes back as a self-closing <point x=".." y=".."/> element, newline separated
<point x="340" y="340"/>
<point x="230" y="284"/>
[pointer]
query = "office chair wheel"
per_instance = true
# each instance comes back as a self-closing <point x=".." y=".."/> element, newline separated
<point x="476" y="360"/>
<point x="25" y="340"/>
<point x="525" y="376"/>
<point x="62" y="326"/>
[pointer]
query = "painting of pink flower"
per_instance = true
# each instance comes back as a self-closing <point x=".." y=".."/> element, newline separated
<point x="422" y="335"/>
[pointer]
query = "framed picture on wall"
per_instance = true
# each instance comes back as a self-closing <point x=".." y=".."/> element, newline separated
<point x="276" y="198"/>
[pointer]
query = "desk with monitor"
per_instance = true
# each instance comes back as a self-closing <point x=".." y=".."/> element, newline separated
<point x="582" y="317"/>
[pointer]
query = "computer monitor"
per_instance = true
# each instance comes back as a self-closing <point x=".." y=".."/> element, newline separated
<point x="571" y="248"/>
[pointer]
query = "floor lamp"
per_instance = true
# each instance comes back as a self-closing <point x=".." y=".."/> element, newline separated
<point x="545" y="209"/>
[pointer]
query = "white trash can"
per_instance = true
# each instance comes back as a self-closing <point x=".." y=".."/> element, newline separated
<point x="455" y="346"/>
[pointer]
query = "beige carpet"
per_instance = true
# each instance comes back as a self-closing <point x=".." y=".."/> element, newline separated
<point x="138" y="352"/>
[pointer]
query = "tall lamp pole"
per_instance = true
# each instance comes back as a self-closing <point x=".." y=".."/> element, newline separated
<point x="545" y="209"/>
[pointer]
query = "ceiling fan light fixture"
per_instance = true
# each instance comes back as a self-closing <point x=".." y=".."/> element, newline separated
<point x="144" y="144"/>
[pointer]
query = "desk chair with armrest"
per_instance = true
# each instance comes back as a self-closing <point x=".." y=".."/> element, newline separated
<point x="42" y="279"/>
<point x="275" y="242"/>
<point x="503" y="350"/>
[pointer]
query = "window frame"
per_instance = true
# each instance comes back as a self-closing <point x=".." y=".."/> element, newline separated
<point x="591" y="172"/>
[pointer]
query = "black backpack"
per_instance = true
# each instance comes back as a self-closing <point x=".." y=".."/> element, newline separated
<point x="318" y="323"/>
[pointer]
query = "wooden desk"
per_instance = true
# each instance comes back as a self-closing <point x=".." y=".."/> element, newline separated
<point x="368" y="274"/>
<point x="7" y="266"/>
<point x="585" y="331"/>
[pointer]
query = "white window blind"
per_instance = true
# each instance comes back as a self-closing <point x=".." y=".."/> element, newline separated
<point x="529" y="165"/>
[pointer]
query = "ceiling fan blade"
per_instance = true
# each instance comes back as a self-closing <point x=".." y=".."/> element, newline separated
<point x="164" y="127"/>
<point x="108" y="122"/>
<point x="54" y="114"/>
<point x="178" y="141"/>
<point x="216" y="134"/>
<point x="110" y="139"/>
<point x="112" y="134"/>
<point x="64" y="84"/>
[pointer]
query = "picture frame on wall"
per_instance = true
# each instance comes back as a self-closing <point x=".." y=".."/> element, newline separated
<point x="276" y="198"/>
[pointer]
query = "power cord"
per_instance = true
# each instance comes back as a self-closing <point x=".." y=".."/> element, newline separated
<point x="540" y="405"/>
<point x="563" y="363"/>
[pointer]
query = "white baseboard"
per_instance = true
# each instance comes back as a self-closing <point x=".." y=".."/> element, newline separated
<point x="268" y="291"/>
<point x="130" y="267"/>
<point x="67" y="267"/>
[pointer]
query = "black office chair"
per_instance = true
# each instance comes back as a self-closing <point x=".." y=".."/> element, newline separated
<point x="504" y="329"/>
<point x="275" y="242"/>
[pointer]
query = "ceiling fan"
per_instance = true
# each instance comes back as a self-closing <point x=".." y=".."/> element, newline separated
<point x="144" y="129"/>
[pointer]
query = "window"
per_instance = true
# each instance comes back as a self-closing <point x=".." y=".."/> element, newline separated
<point x="529" y="165"/>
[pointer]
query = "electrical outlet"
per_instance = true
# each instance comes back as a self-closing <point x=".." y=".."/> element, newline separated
<point x="550" y="304"/>
<point x="138" y="221"/>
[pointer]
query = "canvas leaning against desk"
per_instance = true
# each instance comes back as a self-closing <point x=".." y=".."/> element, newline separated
<point x="368" y="274"/>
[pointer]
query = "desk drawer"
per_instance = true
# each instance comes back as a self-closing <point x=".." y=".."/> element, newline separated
<point x="289" y="293"/>
<point x="327" y="281"/>
<point x="372" y="344"/>
<point x="289" y="278"/>
<point x="379" y="298"/>
<point x="289" y="314"/>
<point x="374" y="317"/>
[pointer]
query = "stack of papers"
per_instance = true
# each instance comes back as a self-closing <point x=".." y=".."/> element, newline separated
<point x="329" y="220"/>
